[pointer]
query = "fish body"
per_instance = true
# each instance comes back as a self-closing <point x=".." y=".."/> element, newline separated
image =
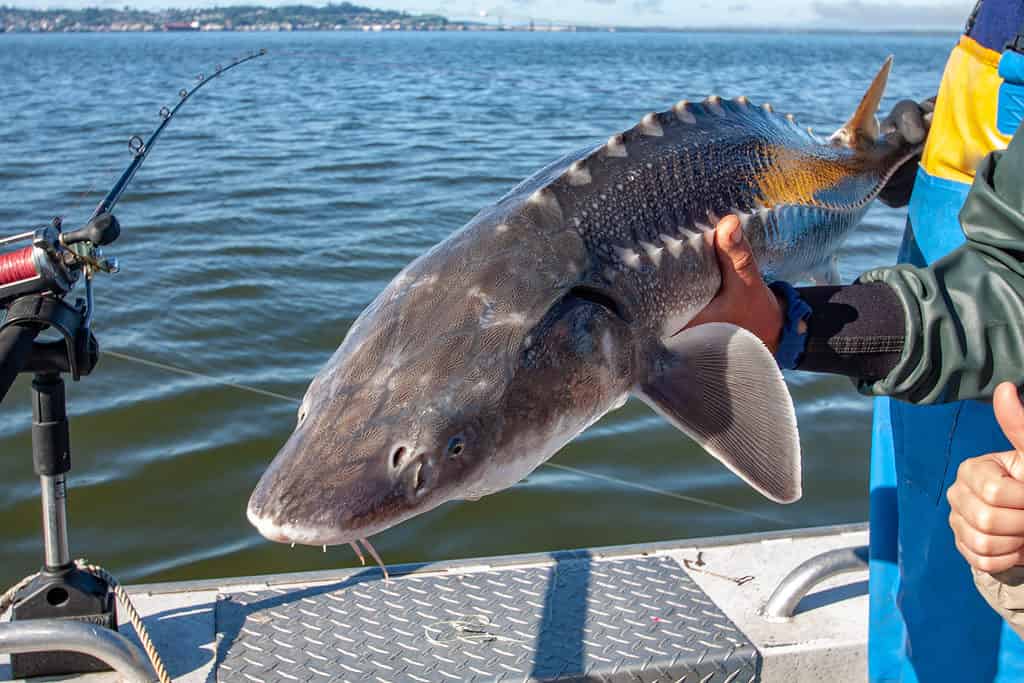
<point x="488" y="353"/>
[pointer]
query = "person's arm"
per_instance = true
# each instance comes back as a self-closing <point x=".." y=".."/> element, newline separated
<point x="964" y="315"/>
<point x="854" y="330"/>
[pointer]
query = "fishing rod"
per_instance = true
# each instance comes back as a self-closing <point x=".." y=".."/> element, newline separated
<point x="140" y="150"/>
<point x="39" y="268"/>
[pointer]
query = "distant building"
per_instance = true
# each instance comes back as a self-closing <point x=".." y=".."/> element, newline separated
<point x="181" y="26"/>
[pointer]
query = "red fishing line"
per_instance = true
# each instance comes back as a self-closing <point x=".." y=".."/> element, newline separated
<point x="17" y="266"/>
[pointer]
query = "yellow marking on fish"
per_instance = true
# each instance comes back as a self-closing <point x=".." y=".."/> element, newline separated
<point x="792" y="177"/>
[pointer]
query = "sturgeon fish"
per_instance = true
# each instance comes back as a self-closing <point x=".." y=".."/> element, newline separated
<point x="488" y="353"/>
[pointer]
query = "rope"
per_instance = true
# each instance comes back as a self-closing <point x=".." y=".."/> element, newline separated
<point x="126" y="604"/>
<point x="133" y="616"/>
<point x="7" y="599"/>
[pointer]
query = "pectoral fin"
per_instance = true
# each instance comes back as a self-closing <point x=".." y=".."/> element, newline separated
<point x="721" y="386"/>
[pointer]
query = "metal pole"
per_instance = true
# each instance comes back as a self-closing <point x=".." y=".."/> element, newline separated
<point x="55" y="521"/>
<point x="51" y="453"/>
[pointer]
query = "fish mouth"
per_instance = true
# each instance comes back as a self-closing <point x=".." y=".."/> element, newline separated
<point x="281" y="527"/>
<point x="297" y="534"/>
<point x="294" y="534"/>
<point x="276" y="527"/>
<point x="289" y="533"/>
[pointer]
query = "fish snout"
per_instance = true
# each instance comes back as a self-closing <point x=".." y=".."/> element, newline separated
<point x="277" y="528"/>
<point x="303" y="499"/>
<point x="267" y="527"/>
<point x="297" y="500"/>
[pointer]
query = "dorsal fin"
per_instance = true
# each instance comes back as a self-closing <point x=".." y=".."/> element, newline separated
<point x="862" y="128"/>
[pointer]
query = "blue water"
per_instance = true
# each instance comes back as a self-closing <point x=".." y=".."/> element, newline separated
<point x="287" y="194"/>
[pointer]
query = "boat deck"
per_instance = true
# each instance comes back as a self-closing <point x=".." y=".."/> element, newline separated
<point x="679" y="611"/>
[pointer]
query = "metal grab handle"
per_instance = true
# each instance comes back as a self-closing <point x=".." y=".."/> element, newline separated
<point x="799" y="582"/>
<point x="110" y="647"/>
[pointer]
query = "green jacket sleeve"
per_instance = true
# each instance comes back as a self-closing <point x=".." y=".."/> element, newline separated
<point x="965" y="313"/>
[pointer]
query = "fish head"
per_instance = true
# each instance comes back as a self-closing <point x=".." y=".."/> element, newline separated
<point x="366" y="454"/>
<point x="429" y="397"/>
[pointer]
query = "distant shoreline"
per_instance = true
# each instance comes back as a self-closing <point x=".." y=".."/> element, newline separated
<point x="343" y="17"/>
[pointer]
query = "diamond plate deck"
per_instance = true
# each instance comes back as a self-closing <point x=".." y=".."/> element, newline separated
<point x="573" y="619"/>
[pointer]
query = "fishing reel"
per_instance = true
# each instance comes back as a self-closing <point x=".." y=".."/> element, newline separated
<point x="38" y="269"/>
<point x="50" y="261"/>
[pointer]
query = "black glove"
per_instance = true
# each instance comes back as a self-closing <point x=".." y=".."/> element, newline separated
<point x="908" y="121"/>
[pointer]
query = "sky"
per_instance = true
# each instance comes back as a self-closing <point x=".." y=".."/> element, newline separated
<point x="703" y="13"/>
<point x="858" y="14"/>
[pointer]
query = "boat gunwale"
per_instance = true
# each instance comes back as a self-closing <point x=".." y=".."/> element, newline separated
<point x="260" y="582"/>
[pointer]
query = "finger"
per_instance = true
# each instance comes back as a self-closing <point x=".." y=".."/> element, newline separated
<point x="725" y="232"/>
<point x="909" y="121"/>
<point x="991" y="565"/>
<point x="735" y="247"/>
<point x="1010" y="415"/>
<point x="985" y="518"/>
<point x="983" y="545"/>
<point x="719" y="309"/>
<point x="721" y="236"/>
<point x="928" y="112"/>
<point x="988" y="479"/>
<point x="906" y="119"/>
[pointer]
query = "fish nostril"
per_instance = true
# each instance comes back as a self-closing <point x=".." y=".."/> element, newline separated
<point x="421" y="474"/>
<point x="397" y="457"/>
<point x="418" y="482"/>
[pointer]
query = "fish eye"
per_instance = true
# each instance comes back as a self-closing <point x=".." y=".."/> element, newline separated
<point x="302" y="414"/>
<point x="455" y="446"/>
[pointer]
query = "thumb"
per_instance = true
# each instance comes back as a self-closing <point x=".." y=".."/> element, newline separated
<point x="1010" y="415"/>
<point x="735" y="256"/>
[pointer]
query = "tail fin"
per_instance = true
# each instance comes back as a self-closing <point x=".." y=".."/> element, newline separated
<point x="862" y="128"/>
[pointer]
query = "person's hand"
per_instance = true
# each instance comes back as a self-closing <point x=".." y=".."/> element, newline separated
<point x="743" y="298"/>
<point x="909" y="121"/>
<point x="987" y="499"/>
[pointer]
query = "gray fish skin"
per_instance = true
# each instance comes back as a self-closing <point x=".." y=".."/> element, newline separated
<point x="487" y="354"/>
